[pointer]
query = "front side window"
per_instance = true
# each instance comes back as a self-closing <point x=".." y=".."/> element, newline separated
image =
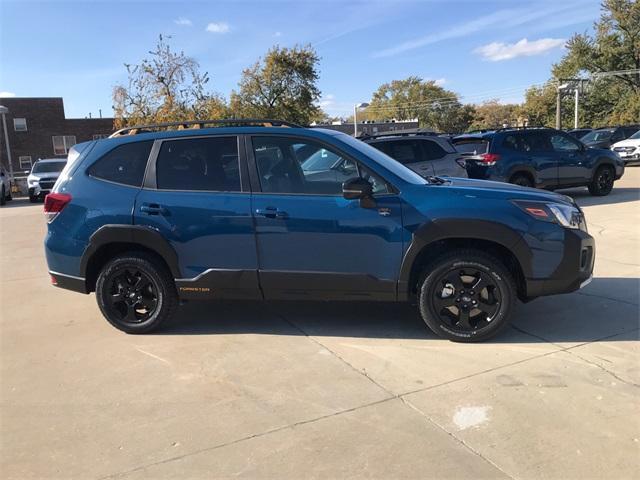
<point x="288" y="165"/>
<point x="432" y="150"/>
<point x="208" y="164"/>
<point x="562" y="143"/>
<point x="20" y="124"/>
<point x="63" y="143"/>
<point x="124" y="164"/>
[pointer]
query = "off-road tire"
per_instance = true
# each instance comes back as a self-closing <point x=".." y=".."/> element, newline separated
<point x="162" y="285"/>
<point x="466" y="260"/>
<point x="602" y="182"/>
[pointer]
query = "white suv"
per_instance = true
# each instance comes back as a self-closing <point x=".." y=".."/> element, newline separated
<point x="43" y="176"/>
<point x="629" y="149"/>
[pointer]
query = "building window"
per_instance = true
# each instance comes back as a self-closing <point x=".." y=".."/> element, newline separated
<point x="99" y="136"/>
<point x="63" y="143"/>
<point x="25" y="162"/>
<point x="20" y="124"/>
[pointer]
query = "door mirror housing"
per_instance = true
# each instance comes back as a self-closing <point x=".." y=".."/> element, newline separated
<point x="357" y="189"/>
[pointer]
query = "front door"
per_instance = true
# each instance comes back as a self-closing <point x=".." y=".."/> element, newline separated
<point x="572" y="169"/>
<point x="312" y="242"/>
<point x="195" y="198"/>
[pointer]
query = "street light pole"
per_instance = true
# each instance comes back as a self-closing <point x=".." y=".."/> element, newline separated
<point x="3" y="111"/>
<point x="561" y="87"/>
<point x="575" y="112"/>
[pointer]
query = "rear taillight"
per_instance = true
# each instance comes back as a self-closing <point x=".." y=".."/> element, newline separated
<point x="489" y="159"/>
<point x="54" y="203"/>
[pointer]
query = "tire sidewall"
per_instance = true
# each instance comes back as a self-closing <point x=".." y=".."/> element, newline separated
<point x="431" y="317"/>
<point x="595" y="187"/>
<point x="159" y="283"/>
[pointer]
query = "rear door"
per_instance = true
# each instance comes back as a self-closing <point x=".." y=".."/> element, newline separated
<point x="572" y="166"/>
<point x="197" y="195"/>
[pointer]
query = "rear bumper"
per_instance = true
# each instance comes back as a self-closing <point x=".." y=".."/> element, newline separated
<point x="68" y="282"/>
<point x="574" y="271"/>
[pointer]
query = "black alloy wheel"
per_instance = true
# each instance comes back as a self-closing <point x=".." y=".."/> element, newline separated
<point x="466" y="296"/>
<point x="602" y="182"/>
<point x="136" y="292"/>
<point x="133" y="298"/>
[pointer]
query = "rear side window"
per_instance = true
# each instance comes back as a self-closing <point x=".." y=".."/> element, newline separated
<point x="404" y="151"/>
<point x="124" y="164"/>
<point x="432" y="151"/>
<point x="209" y="164"/>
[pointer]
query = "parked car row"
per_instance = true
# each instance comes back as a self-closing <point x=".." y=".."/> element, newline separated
<point x="530" y="157"/>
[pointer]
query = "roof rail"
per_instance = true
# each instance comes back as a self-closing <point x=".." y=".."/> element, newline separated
<point x="400" y="133"/>
<point x="528" y="127"/>
<point x="196" y="124"/>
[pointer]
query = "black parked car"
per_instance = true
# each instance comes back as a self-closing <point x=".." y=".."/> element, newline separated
<point x="539" y="157"/>
<point x="579" y="132"/>
<point x="606" y="137"/>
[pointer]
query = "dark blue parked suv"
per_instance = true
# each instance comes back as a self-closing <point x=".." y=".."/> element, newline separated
<point x="539" y="157"/>
<point x="153" y="215"/>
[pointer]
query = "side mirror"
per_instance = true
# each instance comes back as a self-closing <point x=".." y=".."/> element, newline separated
<point x="356" y="188"/>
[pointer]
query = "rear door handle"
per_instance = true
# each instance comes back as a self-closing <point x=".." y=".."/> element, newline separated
<point x="271" y="212"/>
<point x="153" y="209"/>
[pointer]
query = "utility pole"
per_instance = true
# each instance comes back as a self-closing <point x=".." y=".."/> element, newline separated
<point x="355" y="117"/>
<point x="3" y="111"/>
<point x="558" y="112"/>
<point x="575" y="112"/>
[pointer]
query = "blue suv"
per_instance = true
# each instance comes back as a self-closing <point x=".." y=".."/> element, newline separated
<point x="156" y="215"/>
<point x="539" y="157"/>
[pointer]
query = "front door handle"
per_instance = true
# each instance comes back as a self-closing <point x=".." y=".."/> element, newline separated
<point x="271" y="212"/>
<point x="153" y="209"/>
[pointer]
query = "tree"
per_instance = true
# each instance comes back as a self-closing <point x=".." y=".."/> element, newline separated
<point x="432" y="105"/>
<point x="167" y="86"/>
<point x="614" y="47"/>
<point x="281" y="85"/>
<point x="493" y="114"/>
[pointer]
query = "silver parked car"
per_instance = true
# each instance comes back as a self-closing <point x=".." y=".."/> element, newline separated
<point x="43" y="176"/>
<point x="422" y="151"/>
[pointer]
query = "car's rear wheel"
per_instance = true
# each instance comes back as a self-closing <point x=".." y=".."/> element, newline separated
<point x="466" y="296"/>
<point x="33" y="198"/>
<point x="522" y="180"/>
<point x="135" y="293"/>
<point x="602" y="182"/>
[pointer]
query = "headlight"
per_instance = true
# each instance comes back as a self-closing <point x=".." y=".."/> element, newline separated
<point x="566" y="215"/>
<point x="32" y="182"/>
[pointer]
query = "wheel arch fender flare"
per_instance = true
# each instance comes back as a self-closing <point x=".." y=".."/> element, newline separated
<point x="458" y="229"/>
<point x="522" y="169"/>
<point x="134" y="234"/>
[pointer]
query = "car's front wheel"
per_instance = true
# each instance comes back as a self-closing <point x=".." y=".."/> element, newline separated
<point x="466" y="296"/>
<point x="136" y="293"/>
<point x="602" y="182"/>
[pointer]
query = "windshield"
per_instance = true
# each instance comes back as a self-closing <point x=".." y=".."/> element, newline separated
<point x="636" y="135"/>
<point x="48" y="167"/>
<point x="321" y="160"/>
<point x="474" y="147"/>
<point x="597" y="136"/>
<point x="384" y="160"/>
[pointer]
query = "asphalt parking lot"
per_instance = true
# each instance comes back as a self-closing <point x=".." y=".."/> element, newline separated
<point x="322" y="390"/>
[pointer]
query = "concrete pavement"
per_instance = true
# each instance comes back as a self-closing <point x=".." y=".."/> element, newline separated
<point x="296" y="390"/>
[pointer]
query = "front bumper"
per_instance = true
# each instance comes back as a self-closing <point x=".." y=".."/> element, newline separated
<point x="574" y="271"/>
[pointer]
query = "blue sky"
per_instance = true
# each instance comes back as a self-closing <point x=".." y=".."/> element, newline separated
<point x="479" y="49"/>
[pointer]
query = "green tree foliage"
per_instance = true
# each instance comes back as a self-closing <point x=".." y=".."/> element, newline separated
<point x="614" y="47"/>
<point x="432" y="105"/>
<point x="166" y="86"/>
<point x="493" y="114"/>
<point x="281" y="85"/>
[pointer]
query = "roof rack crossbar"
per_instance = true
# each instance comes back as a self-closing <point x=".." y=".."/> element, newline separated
<point x="195" y="124"/>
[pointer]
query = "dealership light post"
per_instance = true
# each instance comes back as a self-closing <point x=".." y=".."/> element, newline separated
<point x="356" y="107"/>
<point x="3" y="111"/>
<point x="561" y="87"/>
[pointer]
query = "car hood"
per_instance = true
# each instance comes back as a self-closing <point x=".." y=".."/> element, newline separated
<point x="498" y="190"/>
<point x="41" y="176"/>
<point x="629" y="142"/>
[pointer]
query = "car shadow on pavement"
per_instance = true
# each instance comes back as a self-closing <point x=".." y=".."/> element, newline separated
<point x="617" y="195"/>
<point x="575" y="317"/>
<point x="18" y="202"/>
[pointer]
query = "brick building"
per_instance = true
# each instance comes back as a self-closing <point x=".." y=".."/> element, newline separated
<point x="37" y="128"/>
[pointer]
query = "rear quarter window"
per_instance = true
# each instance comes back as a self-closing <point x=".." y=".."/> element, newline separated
<point x="124" y="164"/>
